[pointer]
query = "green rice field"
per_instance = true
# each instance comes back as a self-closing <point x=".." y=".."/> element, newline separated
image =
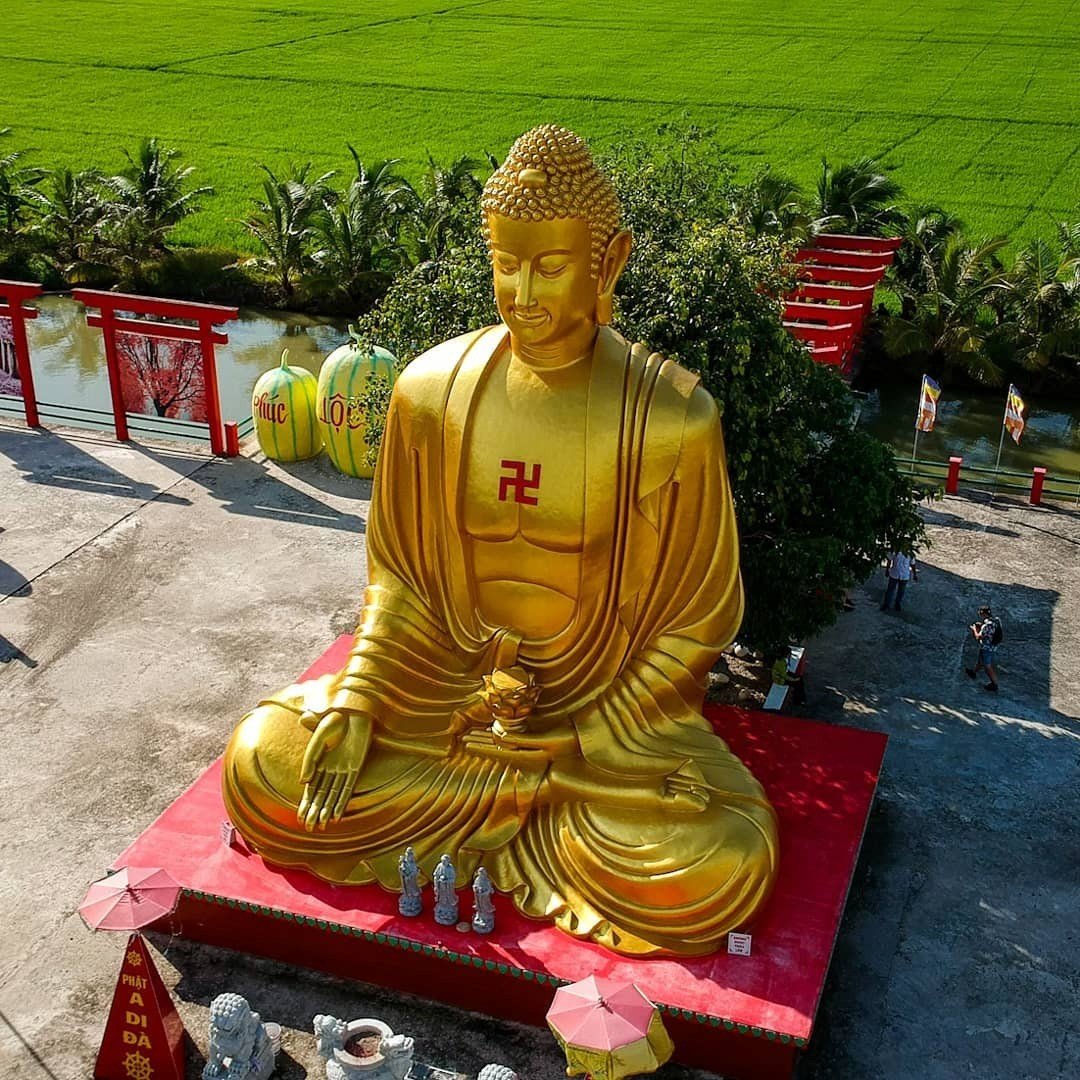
<point x="975" y="104"/>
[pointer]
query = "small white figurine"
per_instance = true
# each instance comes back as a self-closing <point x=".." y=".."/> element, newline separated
<point x="410" y="902"/>
<point x="446" y="898"/>
<point x="483" y="920"/>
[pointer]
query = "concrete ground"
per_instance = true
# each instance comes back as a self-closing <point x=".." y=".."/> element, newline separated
<point x="148" y="596"/>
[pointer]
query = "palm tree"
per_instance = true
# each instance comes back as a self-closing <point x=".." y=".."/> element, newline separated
<point x="924" y="229"/>
<point x="856" y="197"/>
<point x="282" y="221"/>
<point x="18" y="183"/>
<point x="359" y="233"/>
<point x="73" y="207"/>
<point x="445" y="206"/>
<point x="1039" y="310"/>
<point x="150" y="196"/>
<point x="948" y="323"/>
<point x="772" y="204"/>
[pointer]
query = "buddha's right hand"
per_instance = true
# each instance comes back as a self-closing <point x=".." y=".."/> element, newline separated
<point x="339" y="744"/>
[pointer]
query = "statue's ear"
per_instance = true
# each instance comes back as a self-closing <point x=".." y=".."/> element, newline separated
<point x="611" y="268"/>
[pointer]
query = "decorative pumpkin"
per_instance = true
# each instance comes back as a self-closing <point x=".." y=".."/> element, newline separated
<point x="341" y="414"/>
<point x="283" y="405"/>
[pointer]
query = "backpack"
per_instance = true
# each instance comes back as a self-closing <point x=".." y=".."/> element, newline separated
<point x="999" y="634"/>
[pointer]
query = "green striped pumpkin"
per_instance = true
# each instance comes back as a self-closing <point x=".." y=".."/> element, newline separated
<point x="341" y="381"/>
<point x="283" y="407"/>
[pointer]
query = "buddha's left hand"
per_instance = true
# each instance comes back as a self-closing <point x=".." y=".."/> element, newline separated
<point x="335" y="753"/>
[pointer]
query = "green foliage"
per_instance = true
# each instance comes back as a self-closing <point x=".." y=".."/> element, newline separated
<point x="1039" y="308"/>
<point x="282" y="221"/>
<point x="818" y="502"/>
<point x="150" y="197"/>
<point x="357" y="235"/>
<point x="947" y="316"/>
<point x="856" y="197"/>
<point x="18" y="183"/>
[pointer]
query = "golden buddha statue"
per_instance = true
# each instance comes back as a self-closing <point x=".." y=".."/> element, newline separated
<point x="553" y="569"/>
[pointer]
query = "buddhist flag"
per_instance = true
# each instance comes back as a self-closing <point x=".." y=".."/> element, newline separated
<point x="1014" y="413"/>
<point x="927" y="404"/>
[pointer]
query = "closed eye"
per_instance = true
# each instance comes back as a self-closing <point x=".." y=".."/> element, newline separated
<point x="552" y="271"/>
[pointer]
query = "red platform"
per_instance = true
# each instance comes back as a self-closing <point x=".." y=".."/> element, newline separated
<point x="742" y="1016"/>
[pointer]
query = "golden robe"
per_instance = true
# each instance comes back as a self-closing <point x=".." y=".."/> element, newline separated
<point x="660" y="597"/>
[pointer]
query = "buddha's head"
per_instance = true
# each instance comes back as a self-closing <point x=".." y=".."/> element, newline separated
<point x="551" y="221"/>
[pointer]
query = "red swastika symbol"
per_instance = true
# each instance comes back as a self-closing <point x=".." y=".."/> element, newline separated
<point x="519" y="484"/>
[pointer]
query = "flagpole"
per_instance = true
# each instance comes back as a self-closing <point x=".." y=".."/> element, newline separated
<point x="1001" y="443"/>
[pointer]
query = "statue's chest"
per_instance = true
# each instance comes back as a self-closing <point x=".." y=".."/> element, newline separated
<point x="525" y="459"/>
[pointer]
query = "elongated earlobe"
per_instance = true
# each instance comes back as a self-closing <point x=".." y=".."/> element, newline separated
<point x="611" y="268"/>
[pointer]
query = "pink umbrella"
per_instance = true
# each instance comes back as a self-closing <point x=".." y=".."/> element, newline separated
<point x="608" y="1029"/>
<point x="129" y="899"/>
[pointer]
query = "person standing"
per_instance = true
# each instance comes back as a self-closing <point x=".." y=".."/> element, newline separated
<point x="987" y="633"/>
<point x="899" y="570"/>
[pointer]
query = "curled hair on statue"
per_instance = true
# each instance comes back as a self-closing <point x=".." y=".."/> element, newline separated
<point x="549" y="174"/>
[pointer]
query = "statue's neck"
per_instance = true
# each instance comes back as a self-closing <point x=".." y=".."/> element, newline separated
<point x="561" y="354"/>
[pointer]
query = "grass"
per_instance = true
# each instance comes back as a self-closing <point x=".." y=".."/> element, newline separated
<point x="973" y="105"/>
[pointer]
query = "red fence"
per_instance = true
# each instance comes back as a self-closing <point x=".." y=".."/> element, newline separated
<point x="12" y="296"/>
<point x="114" y="311"/>
<point x="176" y="338"/>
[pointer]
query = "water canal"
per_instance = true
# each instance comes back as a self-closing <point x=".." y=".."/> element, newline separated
<point x="69" y="369"/>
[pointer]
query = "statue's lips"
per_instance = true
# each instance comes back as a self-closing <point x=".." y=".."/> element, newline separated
<point x="532" y="319"/>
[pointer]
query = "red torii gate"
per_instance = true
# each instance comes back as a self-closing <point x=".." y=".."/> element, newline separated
<point x="113" y="307"/>
<point x="12" y="296"/>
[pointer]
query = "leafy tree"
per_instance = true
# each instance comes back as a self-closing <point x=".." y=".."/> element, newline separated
<point x="358" y="235"/>
<point x="819" y="502"/>
<point x="18" y="184"/>
<point x="855" y="197"/>
<point x="282" y="221"/>
<point x="947" y="315"/>
<point x="150" y="197"/>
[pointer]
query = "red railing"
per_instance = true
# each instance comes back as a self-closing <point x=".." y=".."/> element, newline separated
<point x="13" y="294"/>
<point x="112" y="318"/>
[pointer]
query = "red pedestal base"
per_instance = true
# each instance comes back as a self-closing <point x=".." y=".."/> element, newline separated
<point x="744" y="1016"/>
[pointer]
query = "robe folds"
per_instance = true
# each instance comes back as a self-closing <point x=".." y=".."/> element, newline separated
<point x="660" y="597"/>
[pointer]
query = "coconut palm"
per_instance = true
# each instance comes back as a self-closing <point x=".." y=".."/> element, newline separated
<point x="358" y="234"/>
<point x="150" y="196"/>
<point x="772" y="204"/>
<point x="948" y="323"/>
<point x="282" y="221"/>
<point x="72" y="207"/>
<point x="925" y="229"/>
<point x="1039" y="310"/>
<point x="18" y="184"/>
<point x="855" y="197"/>
<point x="445" y="206"/>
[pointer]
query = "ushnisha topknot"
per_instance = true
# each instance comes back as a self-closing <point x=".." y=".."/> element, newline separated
<point x="548" y="174"/>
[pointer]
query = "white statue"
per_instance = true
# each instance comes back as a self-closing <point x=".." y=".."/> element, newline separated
<point x="410" y="902"/>
<point x="483" y="920"/>
<point x="239" y="1048"/>
<point x="446" y="898"/>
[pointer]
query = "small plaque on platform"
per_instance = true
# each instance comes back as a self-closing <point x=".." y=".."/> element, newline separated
<point x="228" y="833"/>
<point x="739" y="944"/>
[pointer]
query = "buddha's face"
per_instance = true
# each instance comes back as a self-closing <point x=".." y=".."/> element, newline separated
<point x="545" y="292"/>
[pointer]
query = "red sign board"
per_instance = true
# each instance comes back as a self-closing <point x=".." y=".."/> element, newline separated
<point x="144" y="1036"/>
